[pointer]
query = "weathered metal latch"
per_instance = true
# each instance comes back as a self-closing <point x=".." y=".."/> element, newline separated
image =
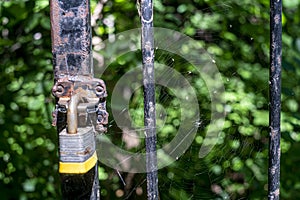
<point x="81" y="108"/>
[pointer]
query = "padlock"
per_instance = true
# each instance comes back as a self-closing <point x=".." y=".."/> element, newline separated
<point x="77" y="152"/>
<point x="82" y="106"/>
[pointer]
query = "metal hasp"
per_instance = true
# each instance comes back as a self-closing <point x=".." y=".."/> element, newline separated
<point x="275" y="103"/>
<point x="147" y="40"/>
<point x="80" y="111"/>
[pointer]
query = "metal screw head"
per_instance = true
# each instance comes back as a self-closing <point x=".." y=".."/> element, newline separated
<point x="99" y="90"/>
<point x="58" y="90"/>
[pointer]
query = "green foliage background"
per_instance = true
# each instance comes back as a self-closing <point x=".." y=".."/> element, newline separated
<point x="234" y="32"/>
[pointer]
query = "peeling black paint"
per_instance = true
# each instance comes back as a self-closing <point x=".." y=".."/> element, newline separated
<point x="275" y="103"/>
<point x="68" y="4"/>
<point x="71" y="37"/>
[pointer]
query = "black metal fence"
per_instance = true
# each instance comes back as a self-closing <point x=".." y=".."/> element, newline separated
<point x="275" y="94"/>
<point x="79" y="97"/>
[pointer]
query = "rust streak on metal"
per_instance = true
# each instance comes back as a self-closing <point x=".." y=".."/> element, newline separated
<point x="71" y="38"/>
<point x="55" y="30"/>
<point x="69" y="14"/>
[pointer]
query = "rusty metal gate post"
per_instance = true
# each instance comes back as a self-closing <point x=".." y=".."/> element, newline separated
<point x="275" y="94"/>
<point x="80" y="111"/>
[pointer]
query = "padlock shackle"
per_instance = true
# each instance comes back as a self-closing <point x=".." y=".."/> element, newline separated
<point x="72" y="119"/>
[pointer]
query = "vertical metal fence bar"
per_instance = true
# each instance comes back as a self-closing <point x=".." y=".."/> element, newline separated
<point x="147" y="40"/>
<point x="275" y="103"/>
<point x="80" y="98"/>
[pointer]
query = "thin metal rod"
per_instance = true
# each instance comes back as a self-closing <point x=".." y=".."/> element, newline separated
<point x="275" y="103"/>
<point x="146" y="11"/>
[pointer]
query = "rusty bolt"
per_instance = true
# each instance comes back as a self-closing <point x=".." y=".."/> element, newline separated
<point x="58" y="90"/>
<point x="99" y="90"/>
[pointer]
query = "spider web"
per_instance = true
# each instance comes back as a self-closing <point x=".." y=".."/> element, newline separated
<point x="229" y="171"/>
